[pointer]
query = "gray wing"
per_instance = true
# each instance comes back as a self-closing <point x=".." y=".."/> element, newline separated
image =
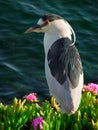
<point x="64" y="61"/>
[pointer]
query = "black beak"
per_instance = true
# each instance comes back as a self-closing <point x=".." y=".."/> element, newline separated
<point x="36" y="28"/>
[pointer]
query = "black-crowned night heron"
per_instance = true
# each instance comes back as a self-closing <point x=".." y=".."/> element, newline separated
<point x="63" y="66"/>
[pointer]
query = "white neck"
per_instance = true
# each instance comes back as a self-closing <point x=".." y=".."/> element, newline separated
<point x="58" y="29"/>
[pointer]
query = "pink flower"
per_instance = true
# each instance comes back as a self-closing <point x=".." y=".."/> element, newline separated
<point x="93" y="86"/>
<point x="31" y="97"/>
<point x="86" y="88"/>
<point x="37" y="122"/>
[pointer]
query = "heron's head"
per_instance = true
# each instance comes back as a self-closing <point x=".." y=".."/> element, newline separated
<point x="53" y="24"/>
<point x="46" y="23"/>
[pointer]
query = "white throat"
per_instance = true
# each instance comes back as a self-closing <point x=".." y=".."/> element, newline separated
<point x="56" y="30"/>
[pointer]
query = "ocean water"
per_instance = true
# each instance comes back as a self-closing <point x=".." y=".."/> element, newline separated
<point x="22" y="55"/>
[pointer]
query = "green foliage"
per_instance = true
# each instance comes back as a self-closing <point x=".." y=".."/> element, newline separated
<point x="20" y="115"/>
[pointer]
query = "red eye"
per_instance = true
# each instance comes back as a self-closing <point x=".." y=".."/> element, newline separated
<point x="47" y="22"/>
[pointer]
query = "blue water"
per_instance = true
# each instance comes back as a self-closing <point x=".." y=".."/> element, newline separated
<point x="22" y="56"/>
